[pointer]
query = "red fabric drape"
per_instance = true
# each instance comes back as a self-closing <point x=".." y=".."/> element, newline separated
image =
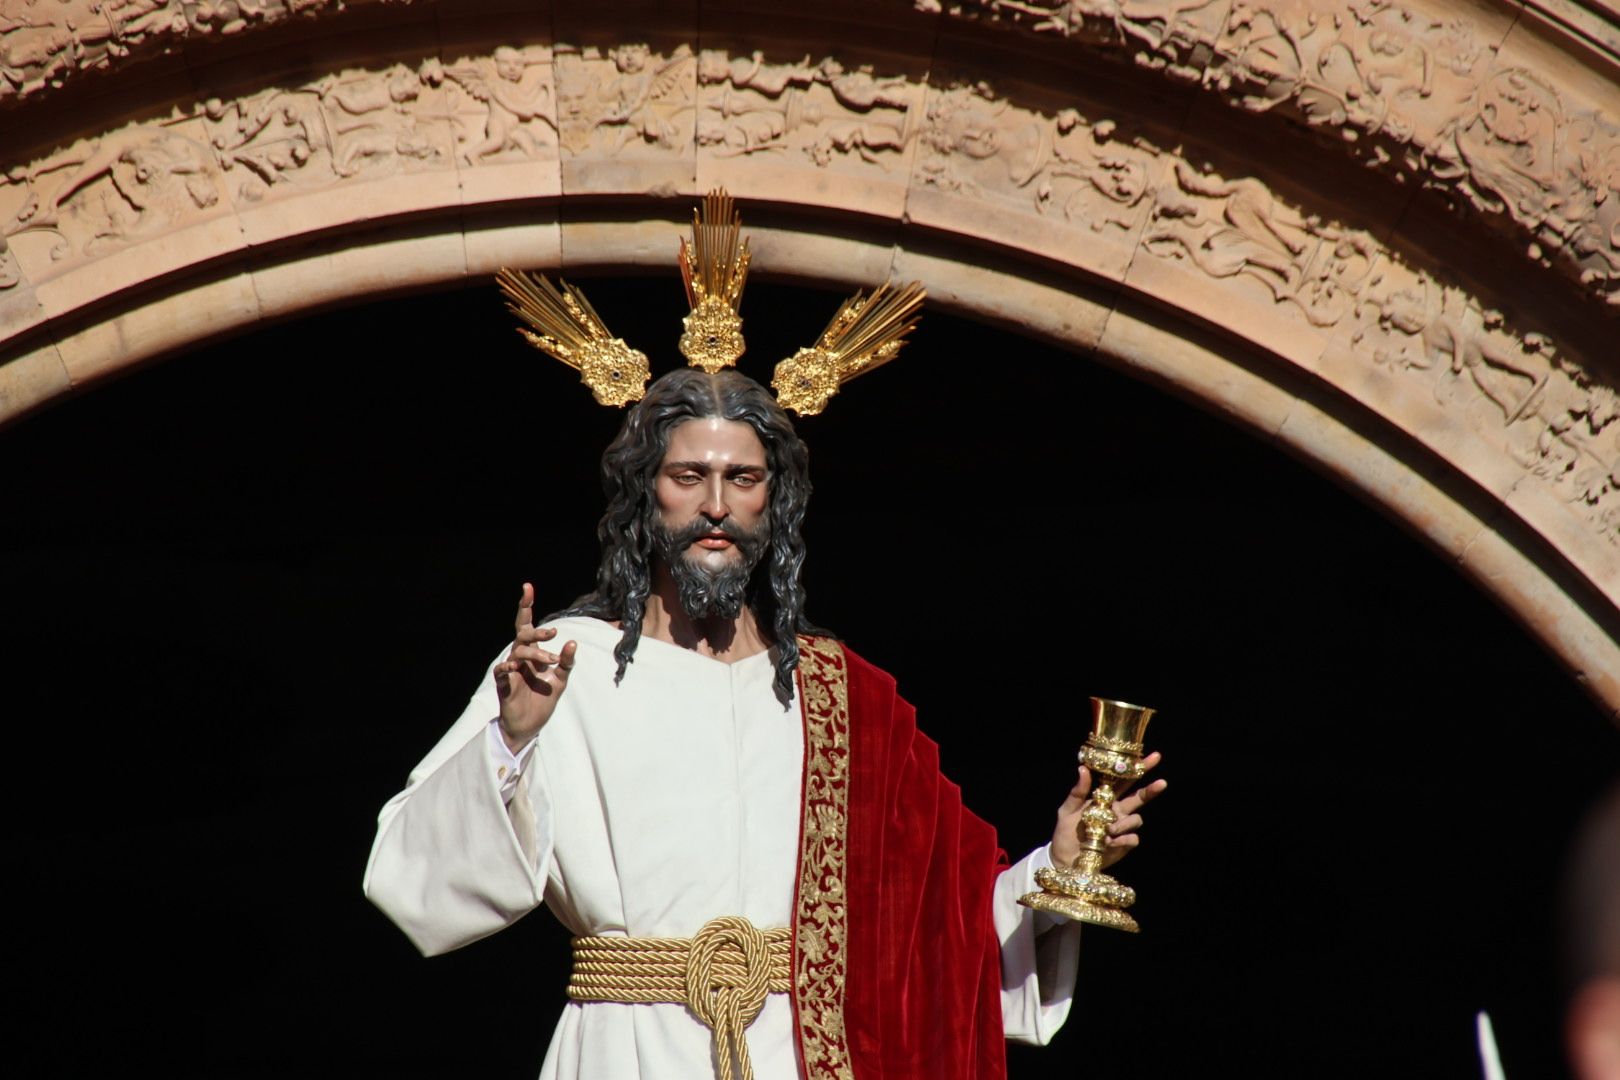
<point x="922" y="990"/>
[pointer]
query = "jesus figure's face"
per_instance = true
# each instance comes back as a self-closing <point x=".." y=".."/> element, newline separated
<point x="713" y="497"/>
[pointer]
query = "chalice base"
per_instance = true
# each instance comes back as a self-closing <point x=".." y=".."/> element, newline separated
<point x="1073" y="907"/>
<point x="1096" y="898"/>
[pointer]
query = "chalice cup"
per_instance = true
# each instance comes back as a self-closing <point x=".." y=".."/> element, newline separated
<point x="1113" y="753"/>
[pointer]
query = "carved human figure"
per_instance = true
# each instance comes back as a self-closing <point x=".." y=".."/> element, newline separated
<point x="273" y="134"/>
<point x="1066" y="18"/>
<point x="860" y="90"/>
<point x="225" y="17"/>
<point x="1089" y="154"/>
<point x="134" y="19"/>
<point x="148" y="168"/>
<point x="1246" y="236"/>
<point x="868" y="139"/>
<point x="370" y="117"/>
<point x="1469" y="338"/>
<point x="644" y="95"/>
<point x="733" y="132"/>
<point x="514" y="103"/>
<point x="33" y="54"/>
<point x="758" y="105"/>
<point x="1575" y="410"/>
<point x="1262" y="49"/>
<point x="958" y="120"/>
<point x="751" y="72"/>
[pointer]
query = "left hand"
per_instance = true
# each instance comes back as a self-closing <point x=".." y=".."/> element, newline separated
<point x="1122" y="835"/>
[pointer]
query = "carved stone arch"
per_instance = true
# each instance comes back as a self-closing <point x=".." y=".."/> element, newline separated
<point x="1384" y="235"/>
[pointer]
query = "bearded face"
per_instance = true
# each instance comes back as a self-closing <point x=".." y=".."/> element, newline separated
<point x="711" y="589"/>
<point x="712" y="525"/>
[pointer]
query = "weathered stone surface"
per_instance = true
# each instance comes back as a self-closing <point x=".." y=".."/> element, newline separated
<point x="1199" y="214"/>
<point x="30" y="379"/>
<point x="159" y="325"/>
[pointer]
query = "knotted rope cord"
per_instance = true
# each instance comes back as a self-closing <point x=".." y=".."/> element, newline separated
<point x="722" y="973"/>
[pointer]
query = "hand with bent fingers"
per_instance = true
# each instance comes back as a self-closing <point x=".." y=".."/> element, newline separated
<point x="530" y="680"/>
<point x="1122" y="836"/>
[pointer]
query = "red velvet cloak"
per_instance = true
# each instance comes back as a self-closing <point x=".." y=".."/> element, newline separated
<point x="897" y="967"/>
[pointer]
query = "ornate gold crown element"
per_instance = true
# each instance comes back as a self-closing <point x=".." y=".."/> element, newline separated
<point x="865" y="334"/>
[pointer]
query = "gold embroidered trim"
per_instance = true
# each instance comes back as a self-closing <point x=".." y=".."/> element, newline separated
<point x="820" y="924"/>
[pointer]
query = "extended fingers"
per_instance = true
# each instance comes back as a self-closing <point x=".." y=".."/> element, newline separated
<point x="1077" y="794"/>
<point x="1140" y="798"/>
<point x="1127" y="823"/>
<point x="528" y="635"/>
<point x="525" y="611"/>
<point x="533" y="654"/>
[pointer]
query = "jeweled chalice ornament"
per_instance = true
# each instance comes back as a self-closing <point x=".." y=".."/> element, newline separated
<point x="1113" y="753"/>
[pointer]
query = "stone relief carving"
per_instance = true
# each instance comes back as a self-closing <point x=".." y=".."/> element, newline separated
<point x="624" y="98"/>
<point x="1089" y="172"/>
<point x="10" y="275"/>
<point x="1544" y="409"/>
<point x="478" y="110"/>
<point x="351" y="124"/>
<point x="519" y="117"/>
<point x="45" y="42"/>
<point x="1237" y="227"/>
<point x="1549" y="411"/>
<point x="347" y="124"/>
<point x="101" y="194"/>
<point x="1422" y="97"/>
<point x="821" y="110"/>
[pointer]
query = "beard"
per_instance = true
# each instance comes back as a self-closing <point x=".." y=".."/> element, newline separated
<point x="705" y="592"/>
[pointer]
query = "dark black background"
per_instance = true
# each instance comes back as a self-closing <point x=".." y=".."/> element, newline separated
<point x="246" y="589"/>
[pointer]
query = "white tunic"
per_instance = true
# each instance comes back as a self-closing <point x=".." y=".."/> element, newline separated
<point x="646" y="808"/>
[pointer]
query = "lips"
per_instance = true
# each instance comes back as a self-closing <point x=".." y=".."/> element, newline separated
<point x="715" y="541"/>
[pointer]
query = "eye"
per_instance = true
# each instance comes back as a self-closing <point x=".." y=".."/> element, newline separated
<point x="744" y="480"/>
<point x="687" y="479"/>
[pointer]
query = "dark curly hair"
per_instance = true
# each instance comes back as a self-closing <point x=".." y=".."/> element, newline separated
<point x="629" y="470"/>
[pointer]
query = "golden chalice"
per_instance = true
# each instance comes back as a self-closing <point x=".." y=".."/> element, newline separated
<point x="1113" y="753"/>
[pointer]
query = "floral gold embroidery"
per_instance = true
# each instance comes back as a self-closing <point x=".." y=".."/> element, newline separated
<point x="820" y="922"/>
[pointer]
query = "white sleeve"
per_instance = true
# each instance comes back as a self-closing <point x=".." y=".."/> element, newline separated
<point x="508" y="766"/>
<point x="1038" y="964"/>
<point x="456" y="858"/>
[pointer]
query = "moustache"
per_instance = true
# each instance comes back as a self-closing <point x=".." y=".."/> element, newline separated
<point x="689" y="534"/>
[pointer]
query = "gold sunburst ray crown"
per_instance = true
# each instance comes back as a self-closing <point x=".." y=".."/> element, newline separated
<point x="567" y="327"/>
<point x="714" y="266"/>
<point x="866" y="333"/>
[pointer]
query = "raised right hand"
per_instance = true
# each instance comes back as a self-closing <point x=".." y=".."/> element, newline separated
<point x="530" y="680"/>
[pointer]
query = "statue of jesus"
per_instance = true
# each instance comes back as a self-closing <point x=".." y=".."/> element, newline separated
<point x="733" y="813"/>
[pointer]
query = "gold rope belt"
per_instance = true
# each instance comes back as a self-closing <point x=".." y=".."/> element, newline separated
<point x="722" y="973"/>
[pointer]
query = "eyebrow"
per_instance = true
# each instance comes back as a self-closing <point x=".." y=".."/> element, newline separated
<point x="704" y="468"/>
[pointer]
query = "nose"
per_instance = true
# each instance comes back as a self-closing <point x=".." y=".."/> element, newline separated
<point x="714" y="498"/>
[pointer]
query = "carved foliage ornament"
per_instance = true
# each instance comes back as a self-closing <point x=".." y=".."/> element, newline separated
<point x="1547" y="409"/>
<point x="1407" y="92"/>
<point x="1551" y="414"/>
